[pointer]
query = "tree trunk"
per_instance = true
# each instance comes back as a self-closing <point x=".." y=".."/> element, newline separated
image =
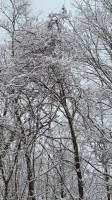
<point x="6" y="190"/>
<point x="30" y="181"/>
<point x="77" y="160"/>
<point x="107" y="184"/>
<point x="74" y="142"/>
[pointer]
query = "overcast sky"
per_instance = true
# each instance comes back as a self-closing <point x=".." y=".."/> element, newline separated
<point x="48" y="6"/>
<point x="45" y="7"/>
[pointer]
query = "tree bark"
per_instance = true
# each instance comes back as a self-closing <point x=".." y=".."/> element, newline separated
<point x="74" y="142"/>
<point x="6" y="190"/>
<point x="77" y="160"/>
<point x="30" y="181"/>
<point x="107" y="184"/>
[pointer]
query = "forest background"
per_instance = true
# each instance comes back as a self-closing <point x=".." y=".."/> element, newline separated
<point x="56" y="102"/>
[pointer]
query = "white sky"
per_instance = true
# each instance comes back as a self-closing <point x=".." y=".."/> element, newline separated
<point x="49" y="6"/>
<point x="44" y="8"/>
